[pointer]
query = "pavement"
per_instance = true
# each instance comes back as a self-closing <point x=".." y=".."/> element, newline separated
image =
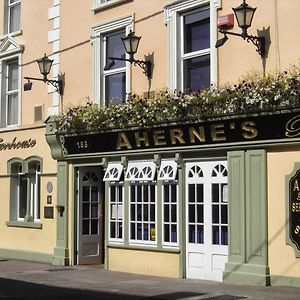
<point x="31" y="280"/>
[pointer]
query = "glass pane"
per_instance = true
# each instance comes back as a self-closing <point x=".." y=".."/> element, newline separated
<point x="196" y="73"/>
<point x="173" y="233"/>
<point x="224" y="235"/>
<point x="215" y="233"/>
<point x="112" y="194"/>
<point x="145" y="208"/>
<point x="152" y="212"/>
<point x="152" y="232"/>
<point x="139" y="212"/>
<point x="115" y="88"/>
<point x="192" y="233"/>
<point x="94" y="226"/>
<point x="120" y="194"/>
<point x="132" y="212"/>
<point x="199" y="192"/>
<point x="12" y="109"/>
<point x="166" y="193"/>
<point x="191" y="193"/>
<point x="167" y="233"/>
<point x="200" y="234"/>
<point x="166" y="213"/>
<point x="13" y="72"/>
<point x="139" y="193"/>
<point x="115" y="48"/>
<point x="85" y="227"/>
<point x="173" y="193"/>
<point x="112" y="230"/>
<point x="22" y="197"/>
<point x="215" y="214"/>
<point x="152" y="193"/>
<point x="224" y="217"/>
<point x="14" y="18"/>
<point x="191" y="213"/>
<point x="146" y="232"/>
<point x="200" y="213"/>
<point x="197" y="31"/>
<point x="146" y="193"/>
<point x="85" y="210"/>
<point x="120" y="234"/>
<point x="132" y="231"/>
<point x="173" y="213"/>
<point x="94" y="194"/>
<point x="85" y="194"/>
<point x="215" y="192"/>
<point x="139" y="233"/>
<point x="94" y="211"/>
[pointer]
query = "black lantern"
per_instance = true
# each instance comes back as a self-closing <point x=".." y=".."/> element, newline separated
<point x="45" y="65"/>
<point x="131" y="44"/>
<point x="244" y="15"/>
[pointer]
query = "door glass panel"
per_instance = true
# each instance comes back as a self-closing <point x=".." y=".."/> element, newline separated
<point x="215" y="237"/>
<point x="215" y="214"/>
<point x="200" y="234"/>
<point x="192" y="213"/>
<point x="85" y="194"/>
<point x="215" y="192"/>
<point x="224" y="235"/>
<point x="200" y="213"/>
<point x="85" y="210"/>
<point x="94" y="211"/>
<point x="199" y="192"/>
<point x="191" y="193"/>
<point x="94" y="193"/>
<point x="85" y="227"/>
<point x="224" y="216"/>
<point x="94" y="226"/>
<point x="192" y="233"/>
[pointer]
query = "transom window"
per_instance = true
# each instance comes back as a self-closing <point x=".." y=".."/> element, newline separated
<point x="196" y="50"/>
<point x="167" y="171"/>
<point x="141" y="171"/>
<point x="113" y="172"/>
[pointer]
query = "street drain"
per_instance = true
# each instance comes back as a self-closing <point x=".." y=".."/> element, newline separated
<point x="224" y="297"/>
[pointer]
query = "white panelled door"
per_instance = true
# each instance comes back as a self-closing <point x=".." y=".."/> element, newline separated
<point x="90" y="217"/>
<point x="207" y="219"/>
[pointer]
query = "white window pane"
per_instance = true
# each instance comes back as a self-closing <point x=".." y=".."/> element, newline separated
<point x="12" y="109"/>
<point x="197" y="31"/>
<point x="197" y="73"/>
<point x="14" y="18"/>
<point x="13" y="76"/>
<point x="115" y="88"/>
<point x="22" y="197"/>
<point x="115" y="48"/>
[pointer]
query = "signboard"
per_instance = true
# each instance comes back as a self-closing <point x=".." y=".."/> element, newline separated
<point x="230" y="130"/>
<point x="294" y="209"/>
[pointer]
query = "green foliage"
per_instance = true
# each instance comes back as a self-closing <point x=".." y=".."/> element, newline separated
<point x="250" y="96"/>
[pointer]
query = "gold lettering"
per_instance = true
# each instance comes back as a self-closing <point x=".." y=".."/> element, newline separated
<point x="122" y="141"/>
<point x="217" y="132"/>
<point x="295" y="207"/>
<point x="296" y="186"/>
<point x="250" y="132"/>
<point x="200" y="135"/>
<point x="297" y="229"/>
<point x="139" y="139"/>
<point x="177" y="134"/>
<point x="159" y="138"/>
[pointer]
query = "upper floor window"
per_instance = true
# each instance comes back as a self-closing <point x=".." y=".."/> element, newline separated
<point x="196" y="50"/>
<point x="114" y="72"/>
<point x="12" y="15"/>
<point x="191" y="37"/>
<point x="10" y="93"/>
<point x="111" y="77"/>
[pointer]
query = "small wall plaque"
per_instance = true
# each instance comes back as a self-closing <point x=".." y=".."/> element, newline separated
<point x="48" y="212"/>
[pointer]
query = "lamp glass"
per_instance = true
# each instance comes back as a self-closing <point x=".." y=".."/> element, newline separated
<point x="45" y="64"/>
<point x="244" y="15"/>
<point x="131" y="43"/>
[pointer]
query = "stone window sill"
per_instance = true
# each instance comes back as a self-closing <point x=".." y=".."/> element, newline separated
<point x="97" y="5"/>
<point x="24" y="224"/>
<point x="12" y="34"/>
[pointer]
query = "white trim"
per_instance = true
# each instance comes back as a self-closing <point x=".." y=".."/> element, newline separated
<point x="113" y="172"/>
<point x="172" y="14"/>
<point x="168" y="170"/>
<point x="140" y="171"/>
<point x="97" y="39"/>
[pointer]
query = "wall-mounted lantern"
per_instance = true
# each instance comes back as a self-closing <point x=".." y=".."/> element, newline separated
<point x="244" y="15"/>
<point x="60" y="209"/>
<point x="131" y="44"/>
<point x="45" y="65"/>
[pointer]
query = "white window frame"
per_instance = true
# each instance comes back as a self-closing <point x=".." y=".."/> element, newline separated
<point x="171" y="166"/>
<point x="119" y="202"/>
<point x="172" y="14"/>
<point x="7" y="8"/>
<point x="103" y="4"/>
<point x="97" y="40"/>
<point x="149" y="222"/>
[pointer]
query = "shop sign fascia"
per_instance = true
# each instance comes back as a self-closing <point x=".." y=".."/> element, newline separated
<point x="293" y="209"/>
<point x="222" y="132"/>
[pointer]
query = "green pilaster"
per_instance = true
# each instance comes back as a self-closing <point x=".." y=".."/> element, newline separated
<point x="248" y="260"/>
<point x="61" y="251"/>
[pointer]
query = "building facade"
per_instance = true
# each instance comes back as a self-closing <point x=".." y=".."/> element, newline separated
<point x="213" y="199"/>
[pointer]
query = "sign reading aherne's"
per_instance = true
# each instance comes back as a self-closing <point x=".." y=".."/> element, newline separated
<point x="258" y="128"/>
<point x="294" y="209"/>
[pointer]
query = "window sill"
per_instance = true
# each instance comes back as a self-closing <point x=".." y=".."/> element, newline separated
<point x="101" y="6"/>
<point x="24" y="224"/>
<point x="12" y="34"/>
<point x="143" y="248"/>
